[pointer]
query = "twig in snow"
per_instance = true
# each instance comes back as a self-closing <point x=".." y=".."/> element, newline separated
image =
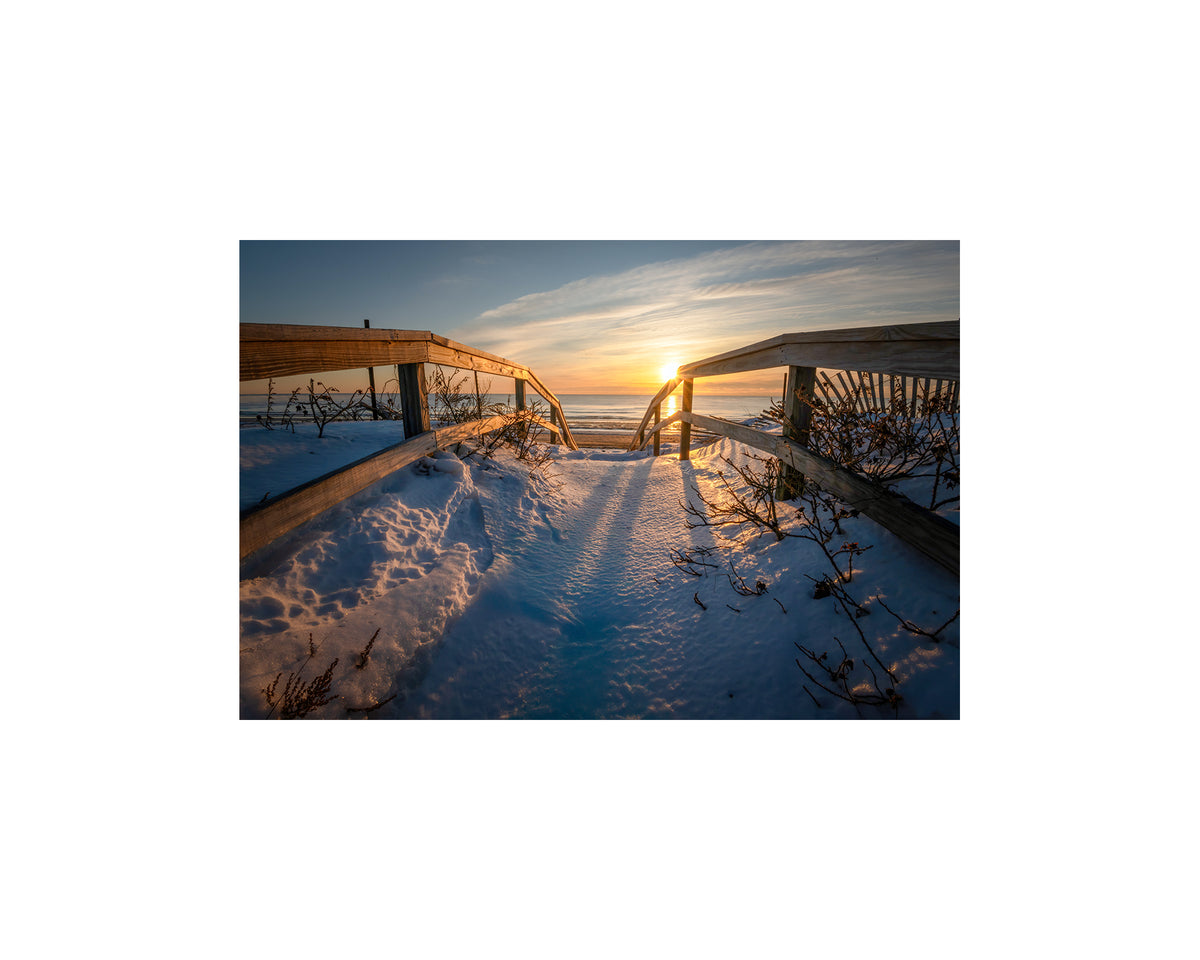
<point x="838" y="676"/>
<point x="740" y="588"/>
<point x="374" y="708"/>
<point x="781" y="606"/>
<point x="696" y="597"/>
<point x="913" y="628"/>
<point x="734" y="609"/>
<point x="809" y="692"/>
<point x="366" y="654"/>
<point x="689" y="560"/>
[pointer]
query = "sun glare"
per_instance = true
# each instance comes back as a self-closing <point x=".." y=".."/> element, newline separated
<point x="668" y="371"/>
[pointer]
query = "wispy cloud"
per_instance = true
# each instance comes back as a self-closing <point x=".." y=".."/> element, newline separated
<point x="614" y="332"/>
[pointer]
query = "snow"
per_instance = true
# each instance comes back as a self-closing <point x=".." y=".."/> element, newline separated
<point x="275" y="461"/>
<point x="497" y="592"/>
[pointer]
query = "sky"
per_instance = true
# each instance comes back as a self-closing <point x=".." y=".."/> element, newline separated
<point x="599" y="316"/>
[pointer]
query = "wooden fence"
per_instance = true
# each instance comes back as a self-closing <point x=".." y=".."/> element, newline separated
<point x="277" y="350"/>
<point x="920" y="358"/>
<point x="881" y="391"/>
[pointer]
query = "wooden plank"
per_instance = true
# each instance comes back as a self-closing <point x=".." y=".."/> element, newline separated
<point x="545" y="425"/>
<point x="657" y="436"/>
<point x="663" y="392"/>
<point x="555" y="406"/>
<point x="281" y="349"/>
<point x="932" y="535"/>
<point x="685" y="432"/>
<point x="920" y="349"/>
<point x="602" y="440"/>
<point x="466" y="359"/>
<point x="456" y="433"/>
<point x="263" y="359"/>
<point x="825" y="385"/>
<point x="414" y="398"/>
<point x="700" y="436"/>
<point x="846" y="389"/>
<point x="261" y="525"/>
<point x="292" y="332"/>
<point x="567" y="438"/>
<point x="473" y="351"/>
<point x="658" y="428"/>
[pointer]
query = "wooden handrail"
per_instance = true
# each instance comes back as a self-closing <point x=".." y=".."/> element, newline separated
<point x="908" y="349"/>
<point x="933" y="535"/>
<point x="663" y="392"/>
<point x="918" y="350"/>
<point x="283" y="349"/>
<point x="287" y="349"/>
<point x="279" y="349"/>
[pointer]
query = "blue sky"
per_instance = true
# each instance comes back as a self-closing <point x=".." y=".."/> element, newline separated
<point x="600" y="316"/>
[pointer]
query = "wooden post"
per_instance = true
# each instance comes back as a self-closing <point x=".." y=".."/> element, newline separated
<point x="371" y="378"/>
<point x="478" y="398"/>
<point x="657" y="418"/>
<point x="798" y="414"/>
<point x="685" y="428"/>
<point x="520" y="388"/>
<point x="414" y="398"/>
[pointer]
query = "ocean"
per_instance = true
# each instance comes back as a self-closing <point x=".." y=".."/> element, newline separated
<point x="583" y="411"/>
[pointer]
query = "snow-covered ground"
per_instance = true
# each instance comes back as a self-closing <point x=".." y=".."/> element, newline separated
<point x="492" y="592"/>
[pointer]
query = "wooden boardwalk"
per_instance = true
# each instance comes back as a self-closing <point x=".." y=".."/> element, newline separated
<point x="618" y="440"/>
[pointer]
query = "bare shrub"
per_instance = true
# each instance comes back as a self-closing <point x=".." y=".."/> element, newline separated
<point x="451" y="402"/>
<point x="897" y="442"/>
<point x="752" y="510"/>
<point x="323" y="409"/>
<point x="286" y="418"/>
<point x="863" y="680"/>
<point x="299" y="699"/>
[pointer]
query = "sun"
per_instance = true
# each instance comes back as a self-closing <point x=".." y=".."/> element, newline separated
<point x="668" y="371"/>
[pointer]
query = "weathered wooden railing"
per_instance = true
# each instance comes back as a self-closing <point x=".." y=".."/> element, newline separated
<point x="278" y="350"/>
<point x="919" y="350"/>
